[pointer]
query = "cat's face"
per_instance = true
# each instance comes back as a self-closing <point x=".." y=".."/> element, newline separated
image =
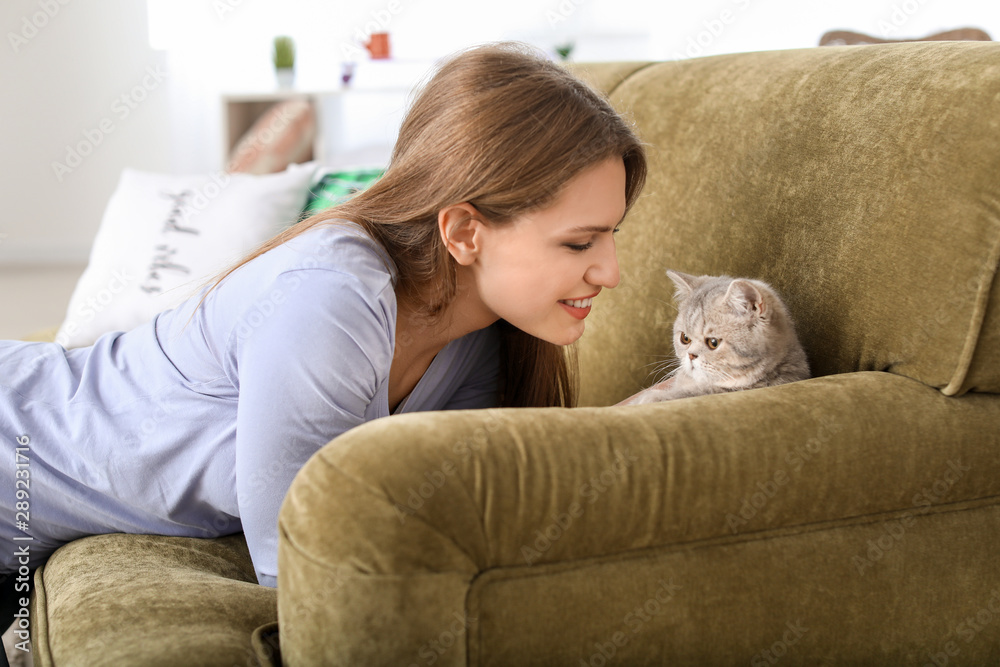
<point x="721" y="330"/>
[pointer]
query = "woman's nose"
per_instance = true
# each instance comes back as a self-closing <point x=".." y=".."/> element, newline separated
<point x="604" y="271"/>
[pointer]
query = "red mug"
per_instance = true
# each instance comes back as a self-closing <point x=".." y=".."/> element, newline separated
<point x="378" y="45"/>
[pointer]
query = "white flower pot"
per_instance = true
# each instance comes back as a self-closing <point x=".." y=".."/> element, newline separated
<point x="285" y="76"/>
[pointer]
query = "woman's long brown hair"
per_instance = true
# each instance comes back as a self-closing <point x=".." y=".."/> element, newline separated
<point x="502" y="128"/>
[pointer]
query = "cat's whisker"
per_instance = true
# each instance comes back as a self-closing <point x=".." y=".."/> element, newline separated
<point x="658" y="362"/>
<point x="668" y="369"/>
<point x="669" y="374"/>
<point x="657" y="379"/>
<point x="665" y="361"/>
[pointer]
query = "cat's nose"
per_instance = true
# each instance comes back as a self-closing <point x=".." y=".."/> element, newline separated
<point x="692" y="356"/>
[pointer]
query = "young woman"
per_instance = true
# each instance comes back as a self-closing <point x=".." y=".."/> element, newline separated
<point x="455" y="281"/>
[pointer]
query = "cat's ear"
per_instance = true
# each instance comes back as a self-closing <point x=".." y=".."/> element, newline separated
<point x="745" y="298"/>
<point x="684" y="283"/>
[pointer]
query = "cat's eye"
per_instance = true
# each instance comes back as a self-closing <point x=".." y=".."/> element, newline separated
<point x="712" y="343"/>
<point x="684" y="339"/>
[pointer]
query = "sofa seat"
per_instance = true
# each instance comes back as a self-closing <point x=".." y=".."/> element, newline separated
<point x="151" y="600"/>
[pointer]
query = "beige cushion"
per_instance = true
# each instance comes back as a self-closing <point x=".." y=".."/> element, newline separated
<point x="282" y="136"/>
<point x="851" y="38"/>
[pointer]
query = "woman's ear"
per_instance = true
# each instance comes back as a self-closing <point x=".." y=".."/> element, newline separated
<point x="460" y="226"/>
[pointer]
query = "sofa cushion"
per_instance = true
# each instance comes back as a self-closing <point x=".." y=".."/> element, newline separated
<point x="336" y="187"/>
<point x="861" y="182"/>
<point x="851" y="38"/>
<point x="186" y="601"/>
<point x="283" y="135"/>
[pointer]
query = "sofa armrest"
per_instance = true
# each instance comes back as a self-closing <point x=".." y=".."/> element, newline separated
<point x="387" y="531"/>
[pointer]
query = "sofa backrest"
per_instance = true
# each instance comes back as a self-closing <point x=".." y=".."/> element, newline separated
<point x="862" y="182"/>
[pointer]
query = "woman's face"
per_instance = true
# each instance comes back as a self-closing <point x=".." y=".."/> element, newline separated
<point x="541" y="271"/>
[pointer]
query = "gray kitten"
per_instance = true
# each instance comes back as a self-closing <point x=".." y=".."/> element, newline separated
<point x="730" y="334"/>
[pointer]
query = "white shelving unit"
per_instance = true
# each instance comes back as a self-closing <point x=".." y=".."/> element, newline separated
<point x="349" y="119"/>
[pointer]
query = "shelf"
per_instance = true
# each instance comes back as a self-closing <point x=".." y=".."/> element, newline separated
<point x="349" y="118"/>
<point x="376" y="113"/>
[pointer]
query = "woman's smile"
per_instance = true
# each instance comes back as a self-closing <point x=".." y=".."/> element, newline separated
<point x="578" y="308"/>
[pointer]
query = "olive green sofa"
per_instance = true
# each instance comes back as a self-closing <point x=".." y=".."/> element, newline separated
<point x="852" y="518"/>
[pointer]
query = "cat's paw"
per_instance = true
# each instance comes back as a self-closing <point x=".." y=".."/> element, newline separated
<point x="651" y="395"/>
<point x="661" y="391"/>
<point x="654" y="396"/>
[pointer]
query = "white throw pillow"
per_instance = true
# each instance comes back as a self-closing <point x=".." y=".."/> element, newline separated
<point x="163" y="235"/>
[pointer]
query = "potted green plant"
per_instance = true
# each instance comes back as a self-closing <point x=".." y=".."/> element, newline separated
<point x="564" y="50"/>
<point x="284" y="60"/>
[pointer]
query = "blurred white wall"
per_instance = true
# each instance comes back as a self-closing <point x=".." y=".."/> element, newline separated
<point x="89" y="88"/>
<point x="80" y="87"/>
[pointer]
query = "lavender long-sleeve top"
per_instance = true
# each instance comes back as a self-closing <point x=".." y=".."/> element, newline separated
<point x="198" y="431"/>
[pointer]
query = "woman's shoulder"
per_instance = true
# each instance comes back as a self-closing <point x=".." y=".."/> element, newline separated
<point x="342" y="246"/>
<point x="327" y="271"/>
<point x="320" y="266"/>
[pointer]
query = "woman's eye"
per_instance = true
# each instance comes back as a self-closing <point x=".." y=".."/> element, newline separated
<point x="587" y="246"/>
<point x="712" y="343"/>
<point x="684" y="339"/>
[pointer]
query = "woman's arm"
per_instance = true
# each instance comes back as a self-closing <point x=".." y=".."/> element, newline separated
<point x="307" y="373"/>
